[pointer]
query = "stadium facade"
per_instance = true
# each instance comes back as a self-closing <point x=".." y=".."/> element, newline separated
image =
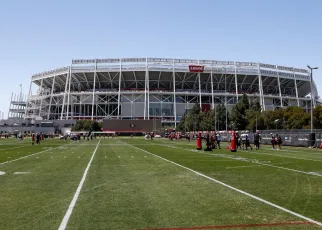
<point x="159" y="88"/>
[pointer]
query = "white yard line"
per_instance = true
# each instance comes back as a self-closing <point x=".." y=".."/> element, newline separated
<point x="120" y="144"/>
<point x="233" y="188"/>
<point x="277" y="155"/>
<point x="288" y="169"/>
<point x="244" y="166"/>
<point x="13" y="148"/>
<point x="258" y="163"/>
<point x="65" y="220"/>
<point x="6" y="162"/>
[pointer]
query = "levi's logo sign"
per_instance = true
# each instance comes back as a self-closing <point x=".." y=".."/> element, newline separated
<point x="196" y="68"/>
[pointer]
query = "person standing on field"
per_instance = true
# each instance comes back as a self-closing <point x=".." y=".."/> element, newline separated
<point x="257" y="139"/>
<point x="218" y="140"/>
<point x="273" y="140"/>
<point x="278" y="141"/>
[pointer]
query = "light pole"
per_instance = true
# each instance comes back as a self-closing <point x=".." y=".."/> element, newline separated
<point x="20" y="116"/>
<point x="256" y="121"/>
<point x="311" y="86"/>
<point x="20" y="92"/>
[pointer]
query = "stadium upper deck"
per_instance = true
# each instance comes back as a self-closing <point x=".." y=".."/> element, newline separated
<point x="141" y="88"/>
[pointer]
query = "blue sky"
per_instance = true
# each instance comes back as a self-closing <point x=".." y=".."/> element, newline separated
<point x="42" y="35"/>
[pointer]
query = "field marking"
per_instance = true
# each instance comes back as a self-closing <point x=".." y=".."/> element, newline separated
<point x="17" y="173"/>
<point x="2" y="173"/>
<point x="65" y="220"/>
<point x="299" y="158"/>
<point x="313" y="152"/>
<point x="6" y="162"/>
<point x="13" y="148"/>
<point x="105" y="144"/>
<point x="264" y="164"/>
<point x="243" y="166"/>
<point x="278" y="224"/>
<point x="249" y="161"/>
<point x="233" y="188"/>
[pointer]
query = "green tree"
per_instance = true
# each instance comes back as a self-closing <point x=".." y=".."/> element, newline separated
<point x="272" y="119"/>
<point x="238" y="114"/>
<point x="317" y="117"/>
<point x="221" y="117"/>
<point x="254" y="116"/>
<point x="205" y="122"/>
<point x="212" y="119"/>
<point x="194" y="117"/>
<point x="255" y="120"/>
<point x="295" y="117"/>
<point x="182" y="124"/>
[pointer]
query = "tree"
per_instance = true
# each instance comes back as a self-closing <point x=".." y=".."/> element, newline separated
<point x="212" y="119"/>
<point x="87" y="125"/>
<point x="255" y="120"/>
<point x="271" y="117"/>
<point x="194" y="117"/>
<point x="205" y="122"/>
<point x="182" y="124"/>
<point x="317" y="117"/>
<point x="254" y="116"/>
<point x="221" y="117"/>
<point x="295" y="117"/>
<point x="238" y="113"/>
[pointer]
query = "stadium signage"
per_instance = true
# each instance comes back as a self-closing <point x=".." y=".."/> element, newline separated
<point x="196" y="68"/>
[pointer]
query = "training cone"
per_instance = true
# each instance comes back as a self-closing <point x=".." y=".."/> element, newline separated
<point x="321" y="145"/>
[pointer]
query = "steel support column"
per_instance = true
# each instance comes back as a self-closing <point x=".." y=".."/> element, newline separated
<point x="66" y="84"/>
<point x="279" y="86"/>
<point x="41" y="97"/>
<point x="27" y="101"/>
<point x="68" y="96"/>
<point x="212" y="89"/>
<point x="119" y="92"/>
<point x="148" y="87"/>
<point x="94" y="87"/>
<point x="51" y="97"/>
<point x="174" y="95"/>
<point x="260" y="88"/>
<point x="296" y="90"/>
<point x="236" y="86"/>
<point x="199" y="89"/>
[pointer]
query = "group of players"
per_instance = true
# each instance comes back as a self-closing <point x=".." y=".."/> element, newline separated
<point x="276" y="141"/>
<point x="212" y="140"/>
<point x="36" y="138"/>
<point x="243" y="140"/>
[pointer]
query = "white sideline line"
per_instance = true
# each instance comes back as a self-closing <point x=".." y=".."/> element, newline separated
<point x="6" y="162"/>
<point x="65" y="220"/>
<point x="235" y="189"/>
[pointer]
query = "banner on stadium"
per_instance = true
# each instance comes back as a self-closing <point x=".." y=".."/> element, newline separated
<point x="196" y="68"/>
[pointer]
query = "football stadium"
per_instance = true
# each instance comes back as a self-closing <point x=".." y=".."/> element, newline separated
<point x="100" y="181"/>
<point x="159" y="88"/>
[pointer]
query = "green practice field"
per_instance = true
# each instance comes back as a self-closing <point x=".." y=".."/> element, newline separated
<point x="133" y="183"/>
